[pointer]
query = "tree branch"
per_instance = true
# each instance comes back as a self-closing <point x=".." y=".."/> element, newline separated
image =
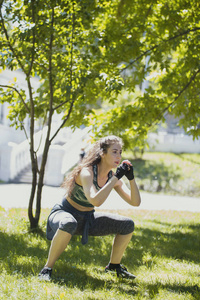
<point x="1" y="3"/>
<point x="41" y="66"/>
<point x="183" y="33"/>
<point x="64" y="121"/>
<point x="156" y="46"/>
<point x="25" y="132"/>
<point x="72" y="41"/>
<point x="50" y="67"/>
<point x="9" y="44"/>
<point x="71" y="62"/>
<point x="158" y="118"/>
<point x="33" y="48"/>
<point x="137" y="58"/>
<point x="21" y="97"/>
<point x="61" y="104"/>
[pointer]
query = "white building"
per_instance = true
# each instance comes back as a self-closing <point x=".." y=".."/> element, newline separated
<point x="14" y="147"/>
<point x="7" y="133"/>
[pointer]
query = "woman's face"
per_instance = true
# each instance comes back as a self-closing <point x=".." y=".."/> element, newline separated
<point x="113" y="155"/>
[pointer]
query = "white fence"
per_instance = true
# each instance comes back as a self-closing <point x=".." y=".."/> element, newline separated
<point x="14" y="158"/>
<point x="62" y="158"/>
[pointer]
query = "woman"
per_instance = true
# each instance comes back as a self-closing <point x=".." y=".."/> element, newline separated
<point x="89" y="185"/>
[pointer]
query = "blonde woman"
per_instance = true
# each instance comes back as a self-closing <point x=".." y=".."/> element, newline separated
<point x="88" y="186"/>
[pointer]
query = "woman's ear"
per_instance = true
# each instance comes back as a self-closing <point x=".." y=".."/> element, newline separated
<point x="101" y="153"/>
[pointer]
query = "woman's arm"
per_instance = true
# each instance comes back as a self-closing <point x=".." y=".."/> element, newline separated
<point x="132" y="195"/>
<point x="95" y="197"/>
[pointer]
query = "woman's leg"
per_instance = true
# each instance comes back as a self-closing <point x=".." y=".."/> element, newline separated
<point x="119" y="246"/>
<point x="64" y="225"/>
<point x="59" y="243"/>
<point x="123" y="227"/>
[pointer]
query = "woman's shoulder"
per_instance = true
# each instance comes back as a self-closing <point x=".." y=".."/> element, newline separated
<point x="86" y="172"/>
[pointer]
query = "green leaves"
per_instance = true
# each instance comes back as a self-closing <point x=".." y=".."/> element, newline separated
<point x="86" y="52"/>
<point x="164" y="41"/>
<point x="18" y="109"/>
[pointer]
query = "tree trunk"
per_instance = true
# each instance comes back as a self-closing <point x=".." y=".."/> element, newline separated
<point x="37" y="189"/>
<point x="33" y="223"/>
<point x="41" y="182"/>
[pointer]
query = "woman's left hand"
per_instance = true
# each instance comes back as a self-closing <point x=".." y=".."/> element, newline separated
<point x="130" y="173"/>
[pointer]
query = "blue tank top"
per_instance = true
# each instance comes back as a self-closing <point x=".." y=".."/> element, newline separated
<point x="78" y="195"/>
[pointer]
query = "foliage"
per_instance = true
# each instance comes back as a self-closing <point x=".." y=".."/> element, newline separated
<point x="163" y="253"/>
<point x="61" y="43"/>
<point x="84" y="52"/>
<point x="161" y="43"/>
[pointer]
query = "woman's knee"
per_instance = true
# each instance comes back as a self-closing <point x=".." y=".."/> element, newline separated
<point x="68" y="224"/>
<point x="130" y="226"/>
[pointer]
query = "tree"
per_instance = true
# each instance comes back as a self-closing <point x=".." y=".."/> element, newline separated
<point x="86" y="51"/>
<point x="60" y="42"/>
<point x="161" y="42"/>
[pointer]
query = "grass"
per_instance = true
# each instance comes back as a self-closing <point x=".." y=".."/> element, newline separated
<point x="171" y="173"/>
<point x="163" y="253"/>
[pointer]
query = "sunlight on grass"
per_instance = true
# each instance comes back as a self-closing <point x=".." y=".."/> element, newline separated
<point x="163" y="253"/>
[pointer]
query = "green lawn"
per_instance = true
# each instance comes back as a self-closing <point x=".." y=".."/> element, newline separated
<point x="163" y="253"/>
<point x="177" y="174"/>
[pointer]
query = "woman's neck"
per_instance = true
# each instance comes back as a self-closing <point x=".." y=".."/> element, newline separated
<point x="103" y="171"/>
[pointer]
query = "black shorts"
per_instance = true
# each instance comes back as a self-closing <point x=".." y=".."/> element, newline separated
<point x="65" y="217"/>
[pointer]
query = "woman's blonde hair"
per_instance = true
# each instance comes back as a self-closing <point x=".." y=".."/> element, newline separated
<point x="93" y="157"/>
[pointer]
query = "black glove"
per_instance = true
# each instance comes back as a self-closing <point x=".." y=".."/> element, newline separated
<point x="129" y="174"/>
<point x="121" y="170"/>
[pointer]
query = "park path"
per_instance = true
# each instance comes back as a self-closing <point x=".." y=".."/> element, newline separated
<point x="17" y="195"/>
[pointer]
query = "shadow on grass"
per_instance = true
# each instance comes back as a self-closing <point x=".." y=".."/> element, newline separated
<point x="18" y="256"/>
<point x="16" y="252"/>
<point x="81" y="279"/>
<point x="188" y="158"/>
<point x="176" y="245"/>
<point x="77" y="265"/>
<point x="177" y="288"/>
<point x="173" y="245"/>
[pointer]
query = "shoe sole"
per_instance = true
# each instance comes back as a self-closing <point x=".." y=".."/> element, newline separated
<point x="120" y="275"/>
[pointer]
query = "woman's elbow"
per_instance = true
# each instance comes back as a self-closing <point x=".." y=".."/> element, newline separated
<point x="98" y="204"/>
<point x="95" y="203"/>
<point x="137" y="202"/>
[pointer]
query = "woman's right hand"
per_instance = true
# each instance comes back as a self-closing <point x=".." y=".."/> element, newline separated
<point x="121" y="170"/>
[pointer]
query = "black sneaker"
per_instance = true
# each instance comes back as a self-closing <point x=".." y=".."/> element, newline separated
<point x="121" y="272"/>
<point x="45" y="274"/>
